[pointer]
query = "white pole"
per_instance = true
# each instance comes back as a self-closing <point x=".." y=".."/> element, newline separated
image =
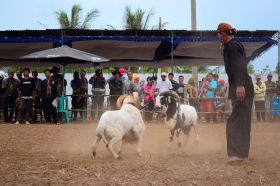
<point x="193" y="17"/>
<point x="278" y="70"/>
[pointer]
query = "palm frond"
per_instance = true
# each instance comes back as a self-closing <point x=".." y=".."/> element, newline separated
<point x="62" y="19"/>
<point x="75" y="16"/>
<point x="128" y="18"/>
<point x="148" y="17"/>
<point x="89" y="17"/>
<point x="110" y="27"/>
<point x="139" y="16"/>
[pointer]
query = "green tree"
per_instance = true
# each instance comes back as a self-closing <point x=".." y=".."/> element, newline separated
<point x="266" y="70"/>
<point x="75" y="22"/>
<point x="251" y="69"/>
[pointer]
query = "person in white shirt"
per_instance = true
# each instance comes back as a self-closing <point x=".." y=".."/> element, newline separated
<point x="164" y="84"/>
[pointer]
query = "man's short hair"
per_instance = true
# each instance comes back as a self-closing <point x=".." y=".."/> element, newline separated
<point x="171" y="74"/>
<point x="34" y="72"/>
<point x="26" y="69"/>
<point x="181" y="76"/>
<point x="47" y="70"/>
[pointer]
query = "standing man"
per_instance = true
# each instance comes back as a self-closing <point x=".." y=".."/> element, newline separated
<point x="259" y="98"/>
<point x="164" y="85"/>
<point x="128" y="81"/>
<point x="10" y="93"/>
<point x="26" y="88"/>
<point x="269" y="93"/>
<point x="173" y="82"/>
<point x="98" y="91"/>
<point x="84" y="93"/>
<point x="241" y="93"/>
<point x="49" y="94"/>
<point x="115" y="86"/>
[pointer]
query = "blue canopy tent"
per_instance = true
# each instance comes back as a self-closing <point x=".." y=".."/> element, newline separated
<point x="151" y="48"/>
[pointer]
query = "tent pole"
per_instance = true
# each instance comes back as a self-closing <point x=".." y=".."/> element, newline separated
<point x="193" y="20"/>
<point x="63" y="72"/>
<point x="278" y="70"/>
<point x="172" y="52"/>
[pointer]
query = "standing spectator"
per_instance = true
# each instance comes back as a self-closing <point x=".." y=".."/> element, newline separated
<point x="37" y="96"/>
<point x="220" y="105"/>
<point x="10" y="93"/>
<point x="193" y="93"/>
<point x="128" y="81"/>
<point x="135" y="86"/>
<point x="49" y="94"/>
<point x="26" y="88"/>
<point x="181" y="88"/>
<point x="228" y="104"/>
<point x="37" y="81"/>
<point x="164" y="85"/>
<point x="277" y="91"/>
<point x="115" y="86"/>
<point x="241" y="92"/>
<point x="149" y="98"/>
<point x="210" y="94"/>
<point x="58" y="80"/>
<point x="173" y="82"/>
<point x="76" y="87"/>
<point x="98" y="83"/>
<point x="216" y="78"/>
<point x="269" y="93"/>
<point x="1" y="93"/>
<point x="260" y="89"/>
<point x="83" y="93"/>
<point x="203" y="101"/>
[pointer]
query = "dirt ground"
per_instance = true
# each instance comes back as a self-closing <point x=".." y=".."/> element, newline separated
<point x="61" y="155"/>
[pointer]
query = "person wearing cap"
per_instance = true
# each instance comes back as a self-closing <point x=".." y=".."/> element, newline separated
<point x="98" y="83"/>
<point x="269" y="94"/>
<point x="241" y="93"/>
<point x="259" y="98"/>
<point x="164" y="84"/>
<point x="116" y="89"/>
<point x="10" y="93"/>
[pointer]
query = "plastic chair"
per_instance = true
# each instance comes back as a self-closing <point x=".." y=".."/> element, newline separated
<point x="63" y="108"/>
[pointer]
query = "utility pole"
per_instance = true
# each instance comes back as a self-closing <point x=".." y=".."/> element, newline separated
<point x="193" y="17"/>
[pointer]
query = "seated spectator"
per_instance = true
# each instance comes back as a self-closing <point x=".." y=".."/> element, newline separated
<point x="135" y="86"/>
<point x="173" y="82"/>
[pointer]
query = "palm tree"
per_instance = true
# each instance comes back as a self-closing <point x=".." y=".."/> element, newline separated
<point x="137" y="20"/>
<point x="75" y="22"/>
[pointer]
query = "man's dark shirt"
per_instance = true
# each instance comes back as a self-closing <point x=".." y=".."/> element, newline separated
<point x="175" y="85"/>
<point x="97" y="82"/>
<point x="26" y="87"/>
<point x="53" y="92"/>
<point x="236" y="68"/>
<point x="115" y="87"/>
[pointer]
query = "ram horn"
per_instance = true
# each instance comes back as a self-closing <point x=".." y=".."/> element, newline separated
<point x="170" y="93"/>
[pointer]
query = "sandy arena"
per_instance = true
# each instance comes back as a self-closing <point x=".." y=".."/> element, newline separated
<point x="61" y="155"/>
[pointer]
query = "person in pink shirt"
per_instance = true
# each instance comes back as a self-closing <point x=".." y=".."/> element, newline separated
<point x="149" y="98"/>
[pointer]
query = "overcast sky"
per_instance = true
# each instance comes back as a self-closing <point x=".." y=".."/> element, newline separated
<point x="242" y="14"/>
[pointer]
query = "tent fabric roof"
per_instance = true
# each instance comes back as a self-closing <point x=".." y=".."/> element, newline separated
<point x="134" y="47"/>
